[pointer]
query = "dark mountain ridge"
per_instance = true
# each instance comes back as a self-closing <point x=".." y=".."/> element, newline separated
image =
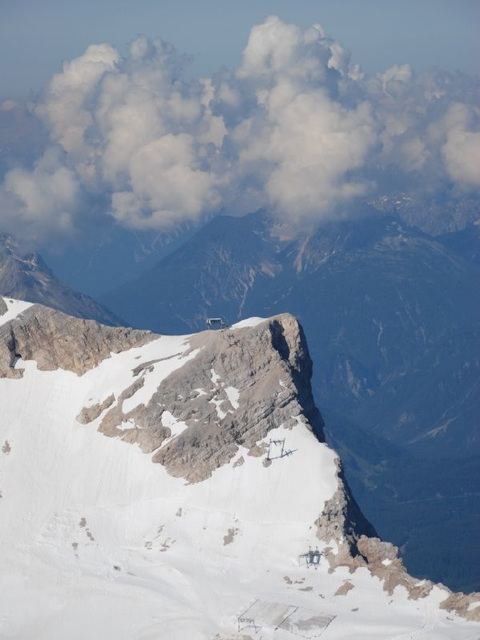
<point x="25" y="276"/>
<point x="381" y="302"/>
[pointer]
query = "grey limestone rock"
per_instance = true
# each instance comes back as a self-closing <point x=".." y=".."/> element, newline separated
<point x="55" y="340"/>
<point x="238" y="386"/>
<point x="91" y="413"/>
<point x="268" y="366"/>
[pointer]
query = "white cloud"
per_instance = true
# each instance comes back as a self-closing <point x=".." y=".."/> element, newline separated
<point x="167" y="185"/>
<point x="66" y="109"/>
<point x="394" y="77"/>
<point x="131" y="128"/>
<point x="461" y="150"/>
<point x="308" y="146"/>
<point x="299" y="143"/>
<point x="43" y="201"/>
<point x="297" y="128"/>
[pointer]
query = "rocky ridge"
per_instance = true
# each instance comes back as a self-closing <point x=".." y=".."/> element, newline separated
<point x="234" y="388"/>
<point x="25" y="276"/>
<point x="264" y="373"/>
<point x="55" y="340"/>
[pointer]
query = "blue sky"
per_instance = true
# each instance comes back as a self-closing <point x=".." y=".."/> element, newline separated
<point x="36" y="36"/>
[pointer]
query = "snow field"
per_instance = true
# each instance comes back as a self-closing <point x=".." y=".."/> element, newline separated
<point x="98" y="542"/>
<point x="14" y="308"/>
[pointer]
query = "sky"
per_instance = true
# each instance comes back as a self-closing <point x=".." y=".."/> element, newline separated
<point x="302" y="108"/>
<point x="35" y="37"/>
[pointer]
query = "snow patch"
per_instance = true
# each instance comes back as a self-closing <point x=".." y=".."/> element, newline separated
<point x="115" y="374"/>
<point x="214" y="377"/>
<point x="126" y="424"/>
<point x="14" y="309"/>
<point x="233" y="395"/>
<point x="176" y="426"/>
<point x="218" y="404"/>
<point x="157" y="373"/>
<point x="248" y="322"/>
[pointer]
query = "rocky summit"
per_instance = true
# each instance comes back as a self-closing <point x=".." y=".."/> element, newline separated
<point x="175" y="487"/>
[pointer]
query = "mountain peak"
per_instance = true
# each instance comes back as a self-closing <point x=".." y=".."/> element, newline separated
<point x="187" y="476"/>
<point x="25" y="276"/>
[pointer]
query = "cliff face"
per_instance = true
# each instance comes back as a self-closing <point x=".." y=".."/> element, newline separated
<point x="55" y="341"/>
<point x="192" y="465"/>
<point x="237" y="387"/>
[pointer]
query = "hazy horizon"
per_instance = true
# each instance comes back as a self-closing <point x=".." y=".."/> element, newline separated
<point x="35" y="38"/>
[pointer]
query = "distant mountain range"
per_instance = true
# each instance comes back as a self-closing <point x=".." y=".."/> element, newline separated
<point x="25" y="276"/>
<point x="389" y="311"/>
<point x="392" y="319"/>
<point x="465" y="242"/>
<point x="435" y="214"/>
<point x="111" y="256"/>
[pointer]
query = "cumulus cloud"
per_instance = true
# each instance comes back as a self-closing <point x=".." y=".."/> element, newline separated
<point x="67" y="105"/>
<point x="461" y="151"/>
<point x="305" y="143"/>
<point x="143" y="137"/>
<point x="297" y="128"/>
<point x="42" y="200"/>
<point x="166" y="182"/>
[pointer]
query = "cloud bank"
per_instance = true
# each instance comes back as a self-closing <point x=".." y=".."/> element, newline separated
<point x="297" y="128"/>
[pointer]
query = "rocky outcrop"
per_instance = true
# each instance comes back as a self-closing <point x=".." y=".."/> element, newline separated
<point x="234" y="388"/>
<point x="343" y="522"/>
<point x="89" y="414"/>
<point x="240" y="385"/>
<point x="465" y="605"/>
<point x="270" y="368"/>
<point x="383" y="561"/>
<point x="55" y="340"/>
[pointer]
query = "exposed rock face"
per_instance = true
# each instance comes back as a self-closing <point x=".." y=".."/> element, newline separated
<point x="341" y="519"/>
<point x="382" y="560"/>
<point x="234" y="388"/>
<point x="265" y="383"/>
<point x="269" y="366"/>
<point x="89" y="414"/>
<point x="434" y="215"/>
<point x="25" y="276"/>
<point x="55" y="340"/>
<point x="465" y="605"/>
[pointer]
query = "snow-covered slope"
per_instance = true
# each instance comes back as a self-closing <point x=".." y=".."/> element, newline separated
<point x="98" y="541"/>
